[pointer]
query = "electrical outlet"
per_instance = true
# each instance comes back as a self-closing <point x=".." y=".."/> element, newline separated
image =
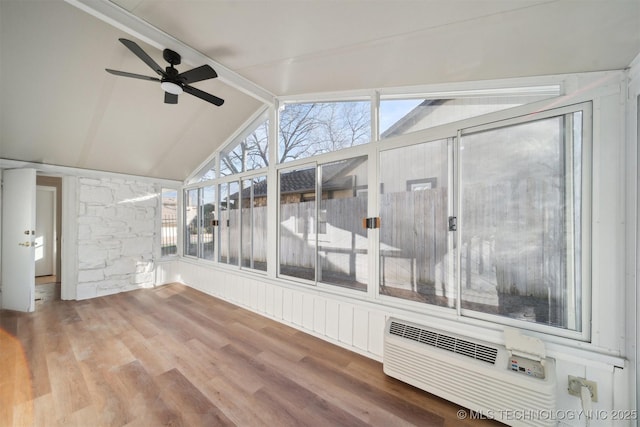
<point x="576" y="384"/>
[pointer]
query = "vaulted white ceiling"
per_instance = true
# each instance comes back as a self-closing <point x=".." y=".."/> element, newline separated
<point x="59" y="106"/>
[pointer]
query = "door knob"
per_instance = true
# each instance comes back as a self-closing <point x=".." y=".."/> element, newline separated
<point x="25" y="244"/>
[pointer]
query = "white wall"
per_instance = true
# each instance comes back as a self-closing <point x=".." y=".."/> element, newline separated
<point x="0" y="238"/>
<point x="633" y="206"/>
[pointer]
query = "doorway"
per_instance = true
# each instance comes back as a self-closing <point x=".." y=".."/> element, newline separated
<point x="47" y="239"/>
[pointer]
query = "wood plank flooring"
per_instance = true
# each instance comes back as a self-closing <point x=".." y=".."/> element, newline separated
<point x="172" y="356"/>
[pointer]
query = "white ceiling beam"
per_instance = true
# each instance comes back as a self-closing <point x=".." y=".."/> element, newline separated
<point x="122" y="19"/>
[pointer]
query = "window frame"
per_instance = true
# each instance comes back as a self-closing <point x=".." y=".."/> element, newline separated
<point x="178" y="226"/>
<point x="554" y="86"/>
<point x="186" y="240"/>
<point x="586" y="207"/>
<point x="242" y="179"/>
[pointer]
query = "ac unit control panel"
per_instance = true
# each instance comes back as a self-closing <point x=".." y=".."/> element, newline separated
<point x="529" y="367"/>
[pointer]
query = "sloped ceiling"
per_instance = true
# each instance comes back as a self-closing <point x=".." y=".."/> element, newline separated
<point x="59" y="106"/>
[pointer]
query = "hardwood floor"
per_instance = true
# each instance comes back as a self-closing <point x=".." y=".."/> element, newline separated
<point x="176" y="357"/>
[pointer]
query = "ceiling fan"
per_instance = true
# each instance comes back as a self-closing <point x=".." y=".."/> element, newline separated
<point x="172" y="82"/>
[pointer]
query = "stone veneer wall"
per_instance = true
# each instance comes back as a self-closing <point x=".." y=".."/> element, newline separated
<point x="116" y="234"/>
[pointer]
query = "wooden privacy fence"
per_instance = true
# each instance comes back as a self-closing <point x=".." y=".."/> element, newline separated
<point x="342" y="241"/>
<point x="516" y="232"/>
<point x="413" y="238"/>
<point x="514" y="237"/>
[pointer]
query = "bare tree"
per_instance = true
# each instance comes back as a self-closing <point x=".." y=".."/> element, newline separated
<point x="310" y="129"/>
<point x="305" y="130"/>
<point x="250" y="153"/>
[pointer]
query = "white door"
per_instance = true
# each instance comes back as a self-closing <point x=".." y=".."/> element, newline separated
<point x="18" y="235"/>
<point x="45" y="224"/>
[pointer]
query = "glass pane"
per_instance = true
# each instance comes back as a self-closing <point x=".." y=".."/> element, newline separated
<point x="310" y="129"/>
<point x="191" y="222"/>
<point x="254" y="223"/>
<point x="210" y="174"/>
<point x="247" y="153"/>
<point x="297" y="223"/>
<point x="342" y="240"/>
<point x="402" y="116"/>
<point x="233" y="211"/>
<point x="223" y="228"/>
<point x="169" y="226"/>
<point x="414" y="259"/>
<point x="229" y="224"/>
<point x="520" y="221"/>
<point x="232" y="161"/>
<point x="207" y="212"/>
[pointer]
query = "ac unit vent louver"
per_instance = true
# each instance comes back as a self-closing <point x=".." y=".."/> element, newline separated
<point x="472" y="373"/>
<point x="445" y="342"/>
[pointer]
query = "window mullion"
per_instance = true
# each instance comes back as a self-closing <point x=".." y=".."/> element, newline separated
<point x="455" y="204"/>
<point x="318" y="272"/>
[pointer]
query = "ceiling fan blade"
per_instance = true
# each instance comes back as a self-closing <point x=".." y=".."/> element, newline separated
<point x="135" y="76"/>
<point x="137" y="50"/>
<point x="170" y="98"/>
<point x="203" y="72"/>
<point x="203" y="95"/>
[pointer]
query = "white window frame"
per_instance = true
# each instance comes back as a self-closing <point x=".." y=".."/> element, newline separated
<point x="586" y="200"/>
<point x="535" y="85"/>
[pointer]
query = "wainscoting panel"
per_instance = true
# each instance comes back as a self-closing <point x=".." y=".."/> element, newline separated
<point x="335" y="320"/>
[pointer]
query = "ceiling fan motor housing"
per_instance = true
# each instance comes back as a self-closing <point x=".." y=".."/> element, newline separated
<point x="171" y="57"/>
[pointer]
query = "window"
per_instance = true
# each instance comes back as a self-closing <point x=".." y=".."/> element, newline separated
<point x="247" y="153"/>
<point x="486" y="222"/>
<point x="307" y="130"/>
<point x="399" y="116"/>
<point x="229" y="223"/>
<point x="191" y="221"/>
<point x="521" y="220"/>
<point x="254" y="223"/>
<point x="208" y="215"/>
<point x="169" y="222"/>
<point x="297" y="212"/>
<point x="342" y="240"/>
<point x="321" y="234"/>
<point x="516" y="252"/>
<point x="208" y="175"/>
<point x="415" y="262"/>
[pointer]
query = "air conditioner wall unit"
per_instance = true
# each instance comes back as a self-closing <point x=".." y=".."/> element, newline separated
<point x="483" y="377"/>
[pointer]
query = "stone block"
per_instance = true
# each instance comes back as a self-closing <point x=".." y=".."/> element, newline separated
<point x="142" y="226"/>
<point x="84" y="232"/>
<point x="111" y="284"/>
<point x="86" y="291"/>
<point x="91" y="256"/>
<point x="144" y="266"/>
<point x="90" y="275"/>
<point x="121" y="266"/>
<point x="137" y="246"/>
<point x="96" y="195"/>
<point x="125" y="212"/>
<point x="90" y="181"/>
<point x="101" y="211"/>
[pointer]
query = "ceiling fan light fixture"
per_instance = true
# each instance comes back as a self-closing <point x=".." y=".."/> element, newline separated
<point x="171" y="87"/>
<point x="172" y="82"/>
